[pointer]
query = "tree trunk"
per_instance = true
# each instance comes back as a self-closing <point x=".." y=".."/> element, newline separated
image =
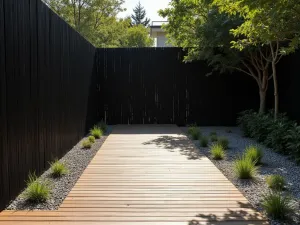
<point x="262" y="97"/>
<point x="276" y="99"/>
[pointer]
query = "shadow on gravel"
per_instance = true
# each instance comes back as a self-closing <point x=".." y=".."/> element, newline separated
<point x="177" y="144"/>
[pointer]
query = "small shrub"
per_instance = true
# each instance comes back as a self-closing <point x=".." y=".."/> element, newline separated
<point x="92" y="139"/>
<point x="214" y="138"/>
<point x="203" y="141"/>
<point x="96" y="132"/>
<point x="254" y="153"/>
<point x="217" y="152"/>
<point x="243" y="121"/>
<point x="86" y="144"/>
<point x="213" y="133"/>
<point x="277" y="205"/>
<point x="259" y="125"/>
<point x="293" y="142"/>
<point x="191" y="128"/>
<point x="58" y="169"/>
<point x="276" y="134"/>
<point x="276" y="182"/>
<point x="194" y="132"/>
<point x="102" y="125"/>
<point x="244" y="168"/>
<point x="223" y="141"/>
<point x="36" y="191"/>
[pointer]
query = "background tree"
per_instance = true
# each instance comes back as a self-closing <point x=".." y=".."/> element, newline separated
<point x="137" y="37"/>
<point x="139" y="16"/>
<point x="274" y="24"/>
<point x="205" y="34"/>
<point x="96" y="20"/>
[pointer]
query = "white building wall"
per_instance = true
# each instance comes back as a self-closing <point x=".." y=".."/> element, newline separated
<point x="161" y="41"/>
<point x="159" y="36"/>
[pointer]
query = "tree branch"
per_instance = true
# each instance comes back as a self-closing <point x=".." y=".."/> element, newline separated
<point x="262" y="54"/>
<point x="279" y="59"/>
<point x="255" y="66"/>
<point x="250" y="72"/>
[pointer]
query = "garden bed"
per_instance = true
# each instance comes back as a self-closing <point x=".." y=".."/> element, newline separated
<point x="272" y="163"/>
<point x="76" y="160"/>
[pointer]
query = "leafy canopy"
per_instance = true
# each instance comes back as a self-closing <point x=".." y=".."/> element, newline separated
<point x="205" y="32"/>
<point x="97" y="21"/>
<point x="265" y="21"/>
<point x="137" y="37"/>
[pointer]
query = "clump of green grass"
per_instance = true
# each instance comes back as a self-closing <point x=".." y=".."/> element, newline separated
<point x="276" y="182"/>
<point x="36" y="191"/>
<point x="86" y="144"/>
<point x="194" y="132"/>
<point x="224" y="142"/>
<point x="58" y="168"/>
<point x="96" y="132"/>
<point x="217" y="152"/>
<point x="191" y="127"/>
<point x="214" y="138"/>
<point x="92" y="139"/>
<point x="203" y="141"/>
<point x="254" y="153"/>
<point x="277" y="205"/>
<point x="213" y="133"/>
<point x="245" y="168"/>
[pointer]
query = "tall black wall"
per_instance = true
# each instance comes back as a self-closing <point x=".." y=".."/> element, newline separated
<point x="45" y="72"/>
<point x="153" y="85"/>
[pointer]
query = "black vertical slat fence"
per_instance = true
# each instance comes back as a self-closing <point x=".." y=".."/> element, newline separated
<point x="45" y="73"/>
<point x="153" y="85"/>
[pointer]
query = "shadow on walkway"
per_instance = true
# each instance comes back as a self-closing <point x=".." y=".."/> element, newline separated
<point x="230" y="217"/>
<point x="177" y="144"/>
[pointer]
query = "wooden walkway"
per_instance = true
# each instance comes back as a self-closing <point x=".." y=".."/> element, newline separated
<point x="147" y="175"/>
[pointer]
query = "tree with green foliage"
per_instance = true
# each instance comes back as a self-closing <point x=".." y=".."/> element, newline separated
<point x="96" y="20"/>
<point x="137" y="37"/>
<point x="198" y="27"/>
<point x="139" y="16"/>
<point x="266" y="23"/>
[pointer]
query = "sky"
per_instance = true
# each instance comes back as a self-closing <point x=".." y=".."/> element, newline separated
<point x="151" y="6"/>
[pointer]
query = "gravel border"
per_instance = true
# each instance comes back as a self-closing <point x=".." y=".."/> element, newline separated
<point x="272" y="163"/>
<point x="76" y="160"/>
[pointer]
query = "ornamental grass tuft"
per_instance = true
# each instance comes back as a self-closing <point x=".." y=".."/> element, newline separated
<point x="245" y="168"/>
<point x="217" y="152"/>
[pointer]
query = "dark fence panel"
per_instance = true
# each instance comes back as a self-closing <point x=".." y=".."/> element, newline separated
<point x="153" y="85"/>
<point x="45" y="72"/>
<point x="289" y="91"/>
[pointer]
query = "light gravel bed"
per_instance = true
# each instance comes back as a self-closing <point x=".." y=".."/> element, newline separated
<point x="272" y="163"/>
<point x="76" y="160"/>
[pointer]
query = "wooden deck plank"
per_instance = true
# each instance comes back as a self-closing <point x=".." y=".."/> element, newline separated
<point x="195" y="222"/>
<point x="147" y="175"/>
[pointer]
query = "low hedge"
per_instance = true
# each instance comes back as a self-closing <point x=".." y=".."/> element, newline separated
<point x="282" y="134"/>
